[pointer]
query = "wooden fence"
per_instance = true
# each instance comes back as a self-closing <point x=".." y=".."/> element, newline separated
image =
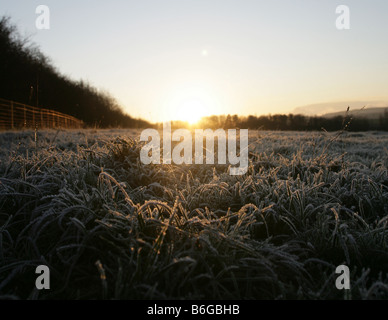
<point x="14" y="115"/>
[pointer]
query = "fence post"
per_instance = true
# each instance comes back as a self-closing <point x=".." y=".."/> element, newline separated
<point x="43" y="118"/>
<point x="12" y="114"/>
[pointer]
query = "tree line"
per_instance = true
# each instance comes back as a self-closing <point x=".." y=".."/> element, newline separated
<point x="296" y="122"/>
<point x="27" y="76"/>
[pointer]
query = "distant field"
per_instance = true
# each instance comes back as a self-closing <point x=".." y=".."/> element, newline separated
<point x="109" y="227"/>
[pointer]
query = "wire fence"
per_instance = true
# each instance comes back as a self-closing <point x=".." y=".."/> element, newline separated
<point x="14" y="115"/>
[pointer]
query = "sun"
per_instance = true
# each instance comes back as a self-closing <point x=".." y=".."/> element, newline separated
<point x="192" y="110"/>
<point x="189" y="103"/>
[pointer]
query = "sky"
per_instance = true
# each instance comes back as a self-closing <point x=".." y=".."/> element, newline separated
<point x="182" y="59"/>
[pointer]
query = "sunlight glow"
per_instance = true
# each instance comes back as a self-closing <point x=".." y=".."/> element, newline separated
<point x="192" y="111"/>
<point x="190" y="104"/>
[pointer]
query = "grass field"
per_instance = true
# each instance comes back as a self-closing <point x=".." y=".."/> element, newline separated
<point x="109" y="227"/>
